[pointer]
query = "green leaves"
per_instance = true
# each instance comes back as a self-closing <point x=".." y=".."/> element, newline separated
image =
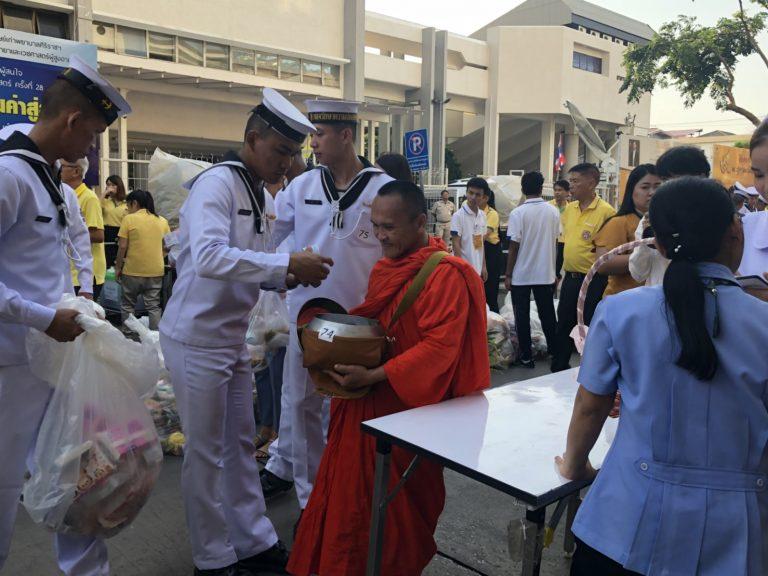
<point x="695" y="59"/>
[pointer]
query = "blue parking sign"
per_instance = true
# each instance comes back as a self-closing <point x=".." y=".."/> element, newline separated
<point x="417" y="149"/>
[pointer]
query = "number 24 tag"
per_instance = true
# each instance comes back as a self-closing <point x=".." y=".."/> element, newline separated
<point x="326" y="334"/>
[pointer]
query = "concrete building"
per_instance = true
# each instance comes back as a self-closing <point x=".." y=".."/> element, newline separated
<point x="192" y="70"/>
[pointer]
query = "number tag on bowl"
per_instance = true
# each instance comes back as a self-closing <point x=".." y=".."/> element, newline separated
<point x="326" y="334"/>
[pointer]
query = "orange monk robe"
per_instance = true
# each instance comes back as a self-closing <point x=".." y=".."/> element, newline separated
<point x="440" y="352"/>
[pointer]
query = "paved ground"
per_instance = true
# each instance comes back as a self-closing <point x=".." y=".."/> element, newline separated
<point x="473" y="529"/>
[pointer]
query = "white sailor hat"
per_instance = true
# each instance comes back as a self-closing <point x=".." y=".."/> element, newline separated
<point x="740" y="190"/>
<point x="23" y="127"/>
<point x="99" y="92"/>
<point x="330" y="111"/>
<point x="752" y="191"/>
<point x="283" y="117"/>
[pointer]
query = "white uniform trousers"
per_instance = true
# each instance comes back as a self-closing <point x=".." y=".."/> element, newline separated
<point x="304" y="417"/>
<point x="220" y="476"/>
<point x="23" y="400"/>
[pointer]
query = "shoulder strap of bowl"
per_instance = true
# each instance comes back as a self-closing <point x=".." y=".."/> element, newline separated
<point x="417" y="286"/>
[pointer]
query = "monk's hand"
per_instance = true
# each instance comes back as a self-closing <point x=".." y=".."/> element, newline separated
<point x="353" y="377"/>
<point x="573" y="471"/>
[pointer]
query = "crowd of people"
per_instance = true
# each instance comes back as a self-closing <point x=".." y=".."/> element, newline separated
<point x="679" y="362"/>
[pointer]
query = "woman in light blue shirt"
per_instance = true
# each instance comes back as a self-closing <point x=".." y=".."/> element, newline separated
<point x="683" y="488"/>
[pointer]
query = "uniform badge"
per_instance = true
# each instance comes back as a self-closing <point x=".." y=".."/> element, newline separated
<point x="586" y="235"/>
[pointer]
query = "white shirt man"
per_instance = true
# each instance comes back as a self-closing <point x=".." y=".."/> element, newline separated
<point x="533" y="229"/>
<point x="468" y="228"/>
<point x="226" y="255"/>
<point x="328" y="209"/>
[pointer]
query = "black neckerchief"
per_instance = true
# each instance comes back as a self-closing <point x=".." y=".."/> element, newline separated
<point x="353" y="191"/>
<point x="255" y="193"/>
<point x="711" y="285"/>
<point x="19" y="145"/>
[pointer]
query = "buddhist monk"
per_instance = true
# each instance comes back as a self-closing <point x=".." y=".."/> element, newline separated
<point x="439" y="352"/>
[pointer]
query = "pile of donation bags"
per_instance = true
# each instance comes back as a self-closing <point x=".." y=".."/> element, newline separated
<point x="98" y="455"/>
<point x="503" y="347"/>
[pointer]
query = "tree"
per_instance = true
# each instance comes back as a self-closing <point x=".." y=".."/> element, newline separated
<point x="697" y="59"/>
<point x="453" y="165"/>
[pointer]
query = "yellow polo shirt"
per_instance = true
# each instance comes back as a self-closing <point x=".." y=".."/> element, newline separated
<point x="144" y="232"/>
<point x="113" y="212"/>
<point x="492" y="222"/>
<point x="90" y="208"/>
<point x="579" y="230"/>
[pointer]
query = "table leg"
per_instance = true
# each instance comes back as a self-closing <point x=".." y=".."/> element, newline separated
<point x="569" y="540"/>
<point x="534" y="540"/>
<point x="379" y="511"/>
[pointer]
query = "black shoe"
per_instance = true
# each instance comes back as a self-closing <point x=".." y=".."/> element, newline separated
<point x="228" y="571"/>
<point x="273" y="560"/>
<point x="530" y="364"/>
<point x="272" y="485"/>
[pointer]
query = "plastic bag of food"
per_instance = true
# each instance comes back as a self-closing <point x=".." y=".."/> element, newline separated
<point x="268" y="325"/>
<point x="97" y="456"/>
<point x="501" y="352"/>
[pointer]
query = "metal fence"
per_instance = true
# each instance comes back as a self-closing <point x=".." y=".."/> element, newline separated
<point x="136" y="166"/>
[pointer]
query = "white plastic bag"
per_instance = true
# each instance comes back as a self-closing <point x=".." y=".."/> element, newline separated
<point x="167" y="176"/>
<point x="268" y="325"/>
<point x="97" y="456"/>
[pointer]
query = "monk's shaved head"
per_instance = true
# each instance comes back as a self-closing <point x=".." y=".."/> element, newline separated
<point x="411" y="195"/>
<point x="399" y="218"/>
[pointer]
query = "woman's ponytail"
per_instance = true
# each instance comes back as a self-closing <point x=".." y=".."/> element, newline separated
<point x="690" y="217"/>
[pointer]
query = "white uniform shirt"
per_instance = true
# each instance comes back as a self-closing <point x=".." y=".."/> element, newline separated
<point x="34" y="265"/>
<point x="303" y="208"/>
<point x="222" y="262"/>
<point x="754" y="262"/>
<point x="646" y="265"/>
<point x="469" y="225"/>
<point x="535" y="225"/>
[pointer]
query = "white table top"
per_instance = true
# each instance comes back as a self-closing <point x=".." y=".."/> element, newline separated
<point x="506" y="437"/>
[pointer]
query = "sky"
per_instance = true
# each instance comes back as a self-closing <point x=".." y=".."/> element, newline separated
<point x="667" y="110"/>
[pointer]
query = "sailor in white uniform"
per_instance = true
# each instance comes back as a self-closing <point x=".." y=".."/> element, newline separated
<point x="741" y="198"/>
<point x="225" y="240"/>
<point x="40" y="229"/>
<point x="329" y="210"/>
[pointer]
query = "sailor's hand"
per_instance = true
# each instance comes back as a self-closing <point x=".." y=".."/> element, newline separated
<point x="64" y="328"/>
<point x="309" y="268"/>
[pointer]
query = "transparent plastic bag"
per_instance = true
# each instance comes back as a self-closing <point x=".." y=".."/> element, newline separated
<point x="268" y="325"/>
<point x="97" y="456"/>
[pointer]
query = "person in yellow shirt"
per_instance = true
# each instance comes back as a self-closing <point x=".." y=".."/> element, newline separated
<point x="73" y="173"/>
<point x="140" y="266"/>
<point x="581" y="221"/>
<point x="113" y="208"/>
<point x="641" y="185"/>
<point x="562" y="190"/>
<point x="492" y="247"/>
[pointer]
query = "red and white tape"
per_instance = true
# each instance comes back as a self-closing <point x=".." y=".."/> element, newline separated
<point x="579" y="332"/>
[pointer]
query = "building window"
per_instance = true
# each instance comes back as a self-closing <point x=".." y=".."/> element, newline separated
<point x="266" y="65"/>
<point x="216" y="56"/>
<point x="51" y="24"/>
<point x="290" y="68"/>
<point x="311" y="72"/>
<point x="21" y="19"/>
<point x="104" y="36"/>
<point x="162" y="46"/>
<point x="243" y="61"/>
<point x="331" y="75"/>
<point x="587" y="63"/>
<point x="131" y="41"/>
<point x="190" y="51"/>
